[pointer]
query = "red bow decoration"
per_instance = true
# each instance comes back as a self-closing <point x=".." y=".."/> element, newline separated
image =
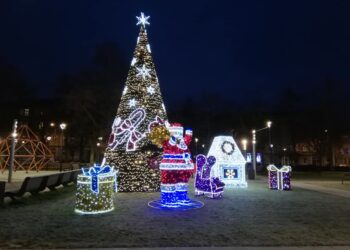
<point x="126" y="131"/>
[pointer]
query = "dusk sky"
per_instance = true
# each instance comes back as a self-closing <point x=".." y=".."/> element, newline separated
<point x="235" y="48"/>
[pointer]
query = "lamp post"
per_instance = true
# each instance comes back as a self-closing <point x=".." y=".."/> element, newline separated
<point x="12" y="152"/>
<point x="244" y="146"/>
<point x="268" y="126"/>
<point x="62" y="127"/>
<point x="284" y="156"/>
<point x="196" y="141"/>
<point x="253" y="152"/>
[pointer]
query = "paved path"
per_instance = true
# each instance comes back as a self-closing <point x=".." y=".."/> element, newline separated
<point x="319" y="188"/>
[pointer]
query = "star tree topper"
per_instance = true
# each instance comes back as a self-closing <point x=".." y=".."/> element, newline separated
<point x="143" y="20"/>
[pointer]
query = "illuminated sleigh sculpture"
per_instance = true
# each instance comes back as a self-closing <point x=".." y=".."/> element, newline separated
<point x="204" y="183"/>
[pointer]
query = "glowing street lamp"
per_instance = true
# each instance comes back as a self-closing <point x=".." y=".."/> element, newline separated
<point x="63" y="126"/>
<point x="244" y="146"/>
<point x="12" y="152"/>
<point x="268" y="126"/>
<point x="196" y="141"/>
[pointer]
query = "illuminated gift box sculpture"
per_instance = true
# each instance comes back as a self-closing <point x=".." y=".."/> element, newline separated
<point x="279" y="178"/>
<point x="204" y="183"/>
<point x="230" y="163"/>
<point x="95" y="190"/>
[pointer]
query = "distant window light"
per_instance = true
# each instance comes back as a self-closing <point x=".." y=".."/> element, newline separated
<point x="26" y="112"/>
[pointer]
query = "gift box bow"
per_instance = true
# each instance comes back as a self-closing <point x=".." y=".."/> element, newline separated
<point x="94" y="172"/>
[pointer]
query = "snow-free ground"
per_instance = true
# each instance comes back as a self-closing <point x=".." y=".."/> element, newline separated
<point x="255" y="216"/>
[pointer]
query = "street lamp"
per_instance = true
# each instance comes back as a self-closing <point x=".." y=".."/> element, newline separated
<point x="62" y="127"/>
<point x="244" y="146"/>
<point x="268" y="126"/>
<point x="196" y="141"/>
<point x="12" y="152"/>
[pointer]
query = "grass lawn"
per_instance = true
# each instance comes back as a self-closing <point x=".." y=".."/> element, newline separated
<point x="254" y="216"/>
<point x="326" y="179"/>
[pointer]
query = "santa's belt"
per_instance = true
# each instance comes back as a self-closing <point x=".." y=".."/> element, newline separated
<point x="185" y="156"/>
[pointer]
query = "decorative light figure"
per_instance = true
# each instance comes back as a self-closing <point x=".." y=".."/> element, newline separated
<point x="150" y="90"/>
<point x="144" y="72"/>
<point x="142" y="20"/>
<point x="95" y="190"/>
<point x="230" y="162"/>
<point x="132" y="103"/>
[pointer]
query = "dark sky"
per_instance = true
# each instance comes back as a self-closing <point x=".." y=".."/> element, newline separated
<point x="239" y="49"/>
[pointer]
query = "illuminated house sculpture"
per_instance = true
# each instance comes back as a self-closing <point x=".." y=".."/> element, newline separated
<point x="230" y="162"/>
<point x="279" y="178"/>
<point x="30" y="152"/>
<point x="95" y="190"/>
<point x="204" y="183"/>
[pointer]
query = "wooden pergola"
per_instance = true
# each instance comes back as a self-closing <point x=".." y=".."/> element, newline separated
<point x="30" y="152"/>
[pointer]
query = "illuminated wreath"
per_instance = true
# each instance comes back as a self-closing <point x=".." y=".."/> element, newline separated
<point x="225" y="145"/>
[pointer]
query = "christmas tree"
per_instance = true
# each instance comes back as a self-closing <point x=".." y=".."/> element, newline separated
<point x="141" y="106"/>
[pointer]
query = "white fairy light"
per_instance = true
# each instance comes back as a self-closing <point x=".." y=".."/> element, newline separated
<point x="148" y="48"/>
<point x="125" y="90"/>
<point x="134" y="60"/>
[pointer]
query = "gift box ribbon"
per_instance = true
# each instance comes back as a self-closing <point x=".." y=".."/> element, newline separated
<point x="95" y="172"/>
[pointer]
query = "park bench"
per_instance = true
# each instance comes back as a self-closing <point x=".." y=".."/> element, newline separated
<point x="53" y="180"/>
<point x="36" y="184"/>
<point x="346" y="177"/>
<point x="65" y="178"/>
<point x="32" y="185"/>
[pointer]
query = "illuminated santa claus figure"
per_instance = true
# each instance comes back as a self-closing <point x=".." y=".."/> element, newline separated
<point x="176" y="167"/>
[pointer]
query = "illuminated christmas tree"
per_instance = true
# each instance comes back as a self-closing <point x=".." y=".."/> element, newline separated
<point x="140" y="108"/>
